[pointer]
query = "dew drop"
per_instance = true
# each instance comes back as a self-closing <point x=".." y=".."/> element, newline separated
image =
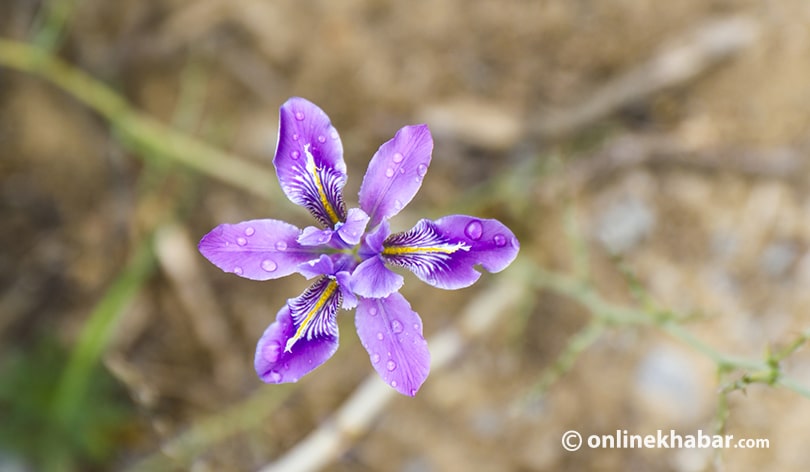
<point x="333" y="134"/>
<point x="397" y="205"/>
<point x="375" y="358"/>
<point x="515" y="243"/>
<point x="269" y="266"/>
<point x="241" y="241"/>
<point x="394" y="383"/>
<point x="391" y="366"/>
<point x="474" y="230"/>
<point x="271" y="352"/>
<point x="281" y="245"/>
<point x="295" y="155"/>
<point x="421" y="170"/>
<point x="413" y="392"/>
<point x="402" y="170"/>
<point x="398" y="157"/>
<point x="321" y="139"/>
<point x="380" y="336"/>
<point x="500" y="240"/>
<point x="275" y="376"/>
<point x="396" y="326"/>
<point x="237" y="270"/>
<point x="286" y="366"/>
<point x="299" y="115"/>
<point x="416" y="326"/>
<point x="249" y="231"/>
<point x="372" y="311"/>
<point x="295" y="136"/>
<point x="389" y="172"/>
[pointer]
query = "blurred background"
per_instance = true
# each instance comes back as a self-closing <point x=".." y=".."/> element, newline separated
<point x="652" y="157"/>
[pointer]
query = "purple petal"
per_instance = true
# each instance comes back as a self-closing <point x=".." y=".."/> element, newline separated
<point x="309" y="161"/>
<point x="371" y="279"/>
<point x="313" y="312"/>
<point x="255" y="249"/>
<point x="275" y="365"/>
<point x="443" y="253"/>
<point x="351" y="231"/>
<point x="395" y="173"/>
<point x="312" y="236"/>
<point x="392" y="334"/>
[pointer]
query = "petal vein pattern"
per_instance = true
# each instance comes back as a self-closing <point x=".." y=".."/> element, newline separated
<point x="319" y="190"/>
<point x="421" y="249"/>
<point x="313" y="313"/>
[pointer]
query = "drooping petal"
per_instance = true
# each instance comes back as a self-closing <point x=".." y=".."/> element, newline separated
<point x="395" y="173"/>
<point x="371" y="279"/>
<point x="392" y="334"/>
<point x="256" y="249"/>
<point x="276" y="365"/>
<point x="313" y="312"/>
<point x="444" y="252"/>
<point x="309" y="161"/>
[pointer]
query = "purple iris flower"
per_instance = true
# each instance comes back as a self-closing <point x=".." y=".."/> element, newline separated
<point x="351" y="266"/>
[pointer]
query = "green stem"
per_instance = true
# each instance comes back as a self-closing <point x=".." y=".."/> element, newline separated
<point x="90" y="346"/>
<point x="142" y="130"/>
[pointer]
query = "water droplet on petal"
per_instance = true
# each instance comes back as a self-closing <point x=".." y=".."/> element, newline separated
<point x="421" y="170"/>
<point x="249" y="231"/>
<point x="333" y="134"/>
<point x="416" y="326"/>
<point x="281" y="245"/>
<point x="413" y="392"/>
<point x="295" y="136"/>
<point x="375" y="358"/>
<point x="389" y="172"/>
<point x="380" y="336"/>
<point x="474" y="230"/>
<point x="372" y="311"/>
<point x="269" y="266"/>
<point x="398" y="157"/>
<point x="396" y="326"/>
<point x="241" y="241"/>
<point x="295" y="155"/>
<point x="275" y="376"/>
<point x="402" y="170"/>
<point x="391" y="366"/>
<point x="299" y="115"/>
<point x="271" y="352"/>
<point x="397" y="205"/>
<point x="394" y="383"/>
<point x="515" y="243"/>
<point x="237" y="270"/>
<point x="321" y="139"/>
<point x="500" y="240"/>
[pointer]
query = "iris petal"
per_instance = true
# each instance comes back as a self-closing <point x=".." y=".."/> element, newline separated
<point x="275" y="365"/>
<point x="395" y="173"/>
<point x="309" y="161"/>
<point x="392" y="334"/>
<point x="256" y="249"/>
<point x="313" y="312"/>
<point x="443" y="253"/>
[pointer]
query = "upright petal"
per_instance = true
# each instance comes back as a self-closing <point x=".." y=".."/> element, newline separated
<point x="392" y="334"/>
<point x="371" y="279"/>
<point x="256" y="249"/>
<point x="276" y="365"/>
<point x="444" y="252"/>
<point x="309" y="161"/>
<point x="395" y="173"/>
